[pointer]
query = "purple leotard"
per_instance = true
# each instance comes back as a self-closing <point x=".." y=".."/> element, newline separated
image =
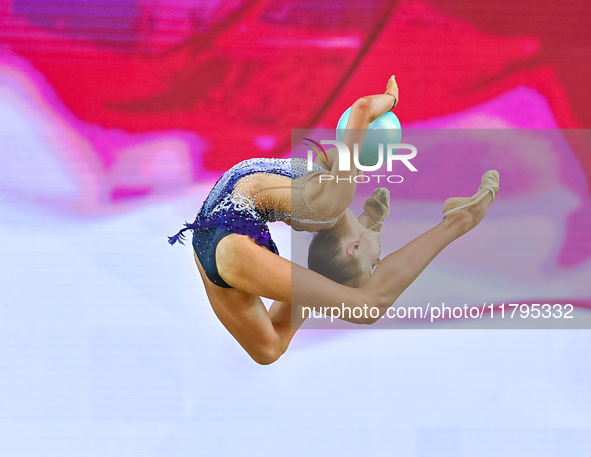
<point x="222" y="214"/>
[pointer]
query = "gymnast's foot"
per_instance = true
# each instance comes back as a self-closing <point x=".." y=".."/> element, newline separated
<point x="471" y="210"/>
<point x="376" y="209"/>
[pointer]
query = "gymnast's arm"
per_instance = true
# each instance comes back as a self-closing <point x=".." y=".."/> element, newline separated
<point x="331" y="154"/>
<point x="332" y="196"/>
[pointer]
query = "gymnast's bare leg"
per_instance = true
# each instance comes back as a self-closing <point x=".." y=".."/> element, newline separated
<point x="253" y="271"/>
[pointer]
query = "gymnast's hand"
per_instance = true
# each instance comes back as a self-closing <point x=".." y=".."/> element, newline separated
<point x="392" y="89"/>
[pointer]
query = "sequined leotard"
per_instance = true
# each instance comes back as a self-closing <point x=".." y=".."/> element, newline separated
<point x="227" y="210"/>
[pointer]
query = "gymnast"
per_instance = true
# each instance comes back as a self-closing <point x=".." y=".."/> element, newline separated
<point x="239" y="262"/>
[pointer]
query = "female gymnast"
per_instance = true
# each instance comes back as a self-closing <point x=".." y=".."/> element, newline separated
<point x="239" y="262"/>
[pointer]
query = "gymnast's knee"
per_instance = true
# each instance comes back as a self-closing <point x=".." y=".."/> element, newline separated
<point x="266" y="354"/>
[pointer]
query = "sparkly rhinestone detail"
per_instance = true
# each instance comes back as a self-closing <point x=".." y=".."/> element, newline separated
<point x="246" y="197"/>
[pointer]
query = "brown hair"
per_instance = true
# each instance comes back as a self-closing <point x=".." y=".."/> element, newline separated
<point x="325" y="256"/>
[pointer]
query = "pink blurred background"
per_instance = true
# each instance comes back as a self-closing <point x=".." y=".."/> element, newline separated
<point x="117" y="117"/>
<point x="157" y="95"/>
<point x="106" y="108"/>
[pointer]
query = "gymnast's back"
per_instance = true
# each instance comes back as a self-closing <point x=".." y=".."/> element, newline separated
<point x="268" y="190"/>
<point x="247" y="197"/>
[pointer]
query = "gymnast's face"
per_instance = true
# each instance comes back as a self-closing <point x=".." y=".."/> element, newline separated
<point x="366" y="248"/>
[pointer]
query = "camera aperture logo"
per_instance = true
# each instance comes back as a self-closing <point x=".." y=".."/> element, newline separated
<point x="344" y="160"/>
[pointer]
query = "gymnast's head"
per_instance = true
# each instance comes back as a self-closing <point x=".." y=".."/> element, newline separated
<point x="346" y="253"/>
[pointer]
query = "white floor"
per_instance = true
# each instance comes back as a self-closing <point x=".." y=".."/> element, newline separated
<point x="108" y="346"/>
